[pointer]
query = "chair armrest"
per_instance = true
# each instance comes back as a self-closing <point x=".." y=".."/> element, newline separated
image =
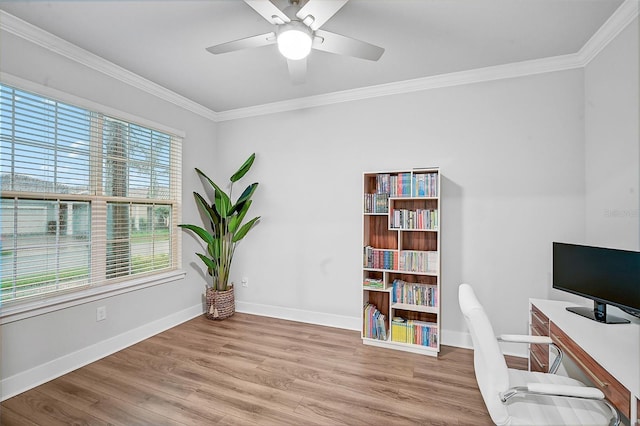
<point x="525" y="338"/>
<point x="549" y="389"/>
<point x="537" y="340"/>
<point x="565" y="390"/>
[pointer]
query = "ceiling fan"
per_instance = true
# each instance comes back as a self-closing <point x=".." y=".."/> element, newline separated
<point x="298" y="31"/>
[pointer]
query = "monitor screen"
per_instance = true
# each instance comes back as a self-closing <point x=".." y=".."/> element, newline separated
<point x="607" y="276"/>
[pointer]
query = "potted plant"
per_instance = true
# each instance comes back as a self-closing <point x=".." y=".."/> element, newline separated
<point x="222" y="233"/>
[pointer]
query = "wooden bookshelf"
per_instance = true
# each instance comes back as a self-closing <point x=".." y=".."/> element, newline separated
<point x="401" y="259"/>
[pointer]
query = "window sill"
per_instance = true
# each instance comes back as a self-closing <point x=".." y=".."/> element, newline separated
<point x="34" y="308"/>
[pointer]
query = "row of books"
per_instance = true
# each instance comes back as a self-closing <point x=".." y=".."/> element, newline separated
<point x="373" y="324"/>
<point x="405" y="260"/>
<point x="376" y="203"/>
<point x="396" y="185"/>
<point x="425" y="185"/>
<point x="406" y="184"/>
<point x="414" y="293"/>
<point x="372" y="282"/>
<point x="418" y="261"/>
<point x="415" y="332"/>
<point x="380" y="258"/>
<point x="414" y="219"/>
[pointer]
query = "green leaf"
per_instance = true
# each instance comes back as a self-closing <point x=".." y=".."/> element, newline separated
<point x="212" y="183"/>
<point x="242" y="213"/>
<point x="245" y="228"/>
<point x="233" y="223"/>
<point x="222" y="201"/>
<point x="222" y="204"/>
<point x="237" y="219"/>
<point x="201" y="232"/>
<point x="244" y="197"/>
<point x="210" y="263"/>
<point x="203" y="204"/>
<point x="214" y="249"/>
<point x="244" y="168"/>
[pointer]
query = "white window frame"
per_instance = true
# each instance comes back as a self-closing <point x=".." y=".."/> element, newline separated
<point x="38" y="306"/>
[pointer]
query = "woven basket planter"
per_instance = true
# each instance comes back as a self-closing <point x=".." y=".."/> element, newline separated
<point x="220" y="304"/>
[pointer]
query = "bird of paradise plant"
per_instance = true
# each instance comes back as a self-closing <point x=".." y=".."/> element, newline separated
<point x="225" y="228"/>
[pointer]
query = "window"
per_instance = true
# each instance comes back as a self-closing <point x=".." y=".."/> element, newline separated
<point x="87" y="199"/>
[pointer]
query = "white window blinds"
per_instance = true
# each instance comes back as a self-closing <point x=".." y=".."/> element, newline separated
<point x="87" y="199"/>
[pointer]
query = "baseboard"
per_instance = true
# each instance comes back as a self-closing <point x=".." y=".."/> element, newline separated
<point x="318" y="318"/>
<point x="43" y="373"/>
<point x="456" y="338"/>
<point x="449" y="337"/>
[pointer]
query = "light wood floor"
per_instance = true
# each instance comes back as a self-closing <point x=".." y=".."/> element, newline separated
<point x="251" y="370"/>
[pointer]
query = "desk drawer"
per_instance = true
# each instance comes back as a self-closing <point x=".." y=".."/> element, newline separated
<point x="539" y="358"/>
<point x="615" y="392"/>
<point x="539" y="322"/>
<point x="539" y="354"/>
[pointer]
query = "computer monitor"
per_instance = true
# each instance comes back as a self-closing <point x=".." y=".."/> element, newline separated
<point x="606" y="276"/>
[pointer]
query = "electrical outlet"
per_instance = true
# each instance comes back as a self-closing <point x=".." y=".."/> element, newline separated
<point x="245" y="282"/>
<point x="101" y="313"/>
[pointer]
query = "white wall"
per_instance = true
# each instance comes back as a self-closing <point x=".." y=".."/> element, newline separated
<point x="612" y="108"/>
<point x="612" y="149"/>
<point x="44" y="346"/>
<point x="512" y="156"/>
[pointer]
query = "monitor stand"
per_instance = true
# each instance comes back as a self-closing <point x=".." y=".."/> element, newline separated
<point x="598" y="313"/>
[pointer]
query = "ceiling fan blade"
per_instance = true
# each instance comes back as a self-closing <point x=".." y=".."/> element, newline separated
<point x="297" y="70"/>
<point x="243" y="43"/>
<point x="320" y="10"/>
<point x="336" y="43"/>
<point x="268" y="11"/>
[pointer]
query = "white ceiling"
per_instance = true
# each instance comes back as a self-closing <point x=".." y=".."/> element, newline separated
<point x="165" y="41"/>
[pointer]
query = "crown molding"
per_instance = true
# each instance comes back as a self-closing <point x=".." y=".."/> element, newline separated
<point x="498" y="72"/>
<point x="40" y="37"/>
<point x="622" y="17"/>
<point x="617" y="22"/>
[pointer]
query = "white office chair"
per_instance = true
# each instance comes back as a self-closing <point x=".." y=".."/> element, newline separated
<point x="516" y="397"/>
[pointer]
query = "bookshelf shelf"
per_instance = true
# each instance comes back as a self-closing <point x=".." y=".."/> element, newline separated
<point x="407" y="347"/>
<point x="401" y="259"/>
<point x="426" y="273"/>
<point x="369" y="288"/>
<point x="412" y="198"/>
<point x="417" y="308"/>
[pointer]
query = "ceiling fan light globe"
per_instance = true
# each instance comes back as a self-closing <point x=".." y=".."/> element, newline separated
<point x="294" y="44"/>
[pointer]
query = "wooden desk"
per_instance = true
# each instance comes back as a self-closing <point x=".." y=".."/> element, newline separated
<point x="609" y="354"/>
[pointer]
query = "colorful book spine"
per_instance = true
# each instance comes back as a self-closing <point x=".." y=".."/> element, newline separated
<point x="414" y="293"/>
<point x="423" y="219"/>
<point x="372" y="282"/>
<point x="373" y="323"/>
<point x="418" y="261"/>
<point x="425" y="184"/>
<point x="383" y="183"/>
<point x="376" y="203"/>
<point x="380" y="258"/>
<point x="414" y="332"/>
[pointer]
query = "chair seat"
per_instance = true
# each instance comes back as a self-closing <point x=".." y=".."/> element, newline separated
<point x="541" y="410"/>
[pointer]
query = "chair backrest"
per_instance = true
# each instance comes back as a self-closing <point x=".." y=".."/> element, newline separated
<point x="489" y="364"/>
